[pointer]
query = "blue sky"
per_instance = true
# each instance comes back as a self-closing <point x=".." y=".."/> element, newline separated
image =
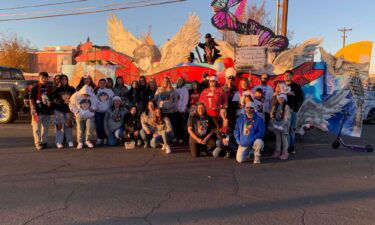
<point x="319" y="18"/>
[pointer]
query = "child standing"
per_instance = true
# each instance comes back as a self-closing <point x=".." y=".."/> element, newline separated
<point x="104" y="95"/>
<point x="113" y="122"/>
<point x="84" y="104"/>
<point x="280" y="123"/>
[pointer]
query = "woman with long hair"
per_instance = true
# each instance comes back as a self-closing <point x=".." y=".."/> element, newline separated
<point x="63" y="117"/>
<point x="163" y="131"/>
<point x="56" y="81"/>
<point x="148" y="127"/>
<point x="225" y="138"/>
<point x="86" y="81"/>
<point x="166" y="99"/>
<point x="121" y="90"/>
<point x="280" y="124"/>
<point x="134" y="94"/>
<point x="201" y="129"/>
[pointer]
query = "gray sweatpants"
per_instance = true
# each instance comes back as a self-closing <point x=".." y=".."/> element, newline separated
<point x="40" y="129"/>
<point x="85" y="129"/>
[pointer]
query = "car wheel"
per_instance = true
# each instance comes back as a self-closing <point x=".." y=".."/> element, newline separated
<point x="8" y="112"/>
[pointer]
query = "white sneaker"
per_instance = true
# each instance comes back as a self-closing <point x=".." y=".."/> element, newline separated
<point x="89" y="144"/>
<point x="70" y="144"/>
<point x="99" y="142"/>
<point x="163" y="147"/>
<point x="80" y="145"/>
<point x="168" y="149"/>
<point x="139" y="142"/>
<point x="256" y="159"/>
<point x="180" y="141"/>
<point x="105" y="141"/>
<point x="59" y="146"/>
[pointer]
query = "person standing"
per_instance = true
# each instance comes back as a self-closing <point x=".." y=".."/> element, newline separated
<point x="151" y="89"/>
<point x="194" y="94"/>
<point x="41" y="110"/>
<point x="143" y="90"/>
<point x="166" y="99"/>
<point x="121" y="90"/>
<point x="213" y="99"/>
<point x="201" y="129"/>
<point x="134" y="94"/>
<point x="211" y="53"/>
<point x="83" y="104"/>
<point x="295" y="100"/>
<point x="181" y="110"/>
<point x="249" y="132"/>
<point x="267" y="96"/>
<point x="229" y="91"/>
<point x="63" y="116"/>
<point x="109" y="83"/>
<point x="240" y="96"/>
<point x="280" y="123"/>
<point x="104" y="96"/>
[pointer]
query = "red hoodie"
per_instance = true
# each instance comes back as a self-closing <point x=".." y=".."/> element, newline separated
<point x="213" y="100"/>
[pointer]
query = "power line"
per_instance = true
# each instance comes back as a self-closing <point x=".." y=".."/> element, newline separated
<point x="91" y="12"/>
<point x="76" y="9"/>
<point x="42" y="5"/>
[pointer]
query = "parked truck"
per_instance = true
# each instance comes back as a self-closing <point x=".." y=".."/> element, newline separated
<point x="14" y="91"/>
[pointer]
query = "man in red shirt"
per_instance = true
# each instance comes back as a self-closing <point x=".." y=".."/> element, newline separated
<point x="213" y="98"/>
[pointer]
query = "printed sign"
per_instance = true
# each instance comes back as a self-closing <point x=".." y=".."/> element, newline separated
<point x="250" y="58"/>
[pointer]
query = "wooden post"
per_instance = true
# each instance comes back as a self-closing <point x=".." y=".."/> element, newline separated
<point x="284" y="26"/>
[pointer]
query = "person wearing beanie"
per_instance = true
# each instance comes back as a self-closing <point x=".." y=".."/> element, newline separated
<point x="83" y="104"/>
<point x="114" y="120"/>
<point x="249" y="133"/>
<point x="41" y="111"/>
<point x="63" y="116"/>
<point x="104" y="95"/>
<point x="280" y="125"/>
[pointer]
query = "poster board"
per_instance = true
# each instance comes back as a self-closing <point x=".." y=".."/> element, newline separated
<point x="250" y="58"/>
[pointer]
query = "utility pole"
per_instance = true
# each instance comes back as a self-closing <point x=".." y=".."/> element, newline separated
<point x="284" y="25"/>
<point x="344" y="30"/>
<point x="277" y="16"/>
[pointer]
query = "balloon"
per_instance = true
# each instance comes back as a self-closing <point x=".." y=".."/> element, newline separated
<point x="228" y="62"/>
<point x="219" y="66"/>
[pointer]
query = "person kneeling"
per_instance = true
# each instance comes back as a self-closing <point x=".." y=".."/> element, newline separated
<point x="280" y="124"/>
<point x="201" y="129"/>
<point x="249" y="132"/>
<point x="132" y="125"/>
<point x="113" y="122"/>
<point x="225" y="139"/>
<point x="163" y="131"/>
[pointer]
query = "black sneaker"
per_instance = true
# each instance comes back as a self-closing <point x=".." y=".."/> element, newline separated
<point x="291" y="150"/>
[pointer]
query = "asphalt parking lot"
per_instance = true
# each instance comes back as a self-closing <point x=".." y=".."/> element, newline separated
<point x="319" y="185"/>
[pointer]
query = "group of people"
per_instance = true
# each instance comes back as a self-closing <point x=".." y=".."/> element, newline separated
<point x="222" y="121"/>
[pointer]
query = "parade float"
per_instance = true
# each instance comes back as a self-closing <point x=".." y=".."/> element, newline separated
<point x="332" y="88"/>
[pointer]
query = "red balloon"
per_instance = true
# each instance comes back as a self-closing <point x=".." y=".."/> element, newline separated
<point x="228" y="62"/>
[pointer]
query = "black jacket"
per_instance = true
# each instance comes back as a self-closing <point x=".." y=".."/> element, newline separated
<point x="295" y="101"/>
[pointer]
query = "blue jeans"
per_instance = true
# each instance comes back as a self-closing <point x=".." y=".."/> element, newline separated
<point x="292" y="129"/>
<point x="164" y="138"/>
<point x="115" y="136"/>
<point x="63" y="127"/>
<point x="99" y="122"/>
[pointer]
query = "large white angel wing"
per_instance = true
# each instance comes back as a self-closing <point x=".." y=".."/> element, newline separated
<point x="179" y="47"/>
<point x="120" y="39"/>
<point x="285" y="61"/>
<point x="226" y="49"/>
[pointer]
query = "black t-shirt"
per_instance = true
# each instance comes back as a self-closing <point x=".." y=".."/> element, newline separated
<point x="41" y="96"/>
<point x="202" y="126"/>
<point x="60" y="98"/>
<point x="295" y="102"/>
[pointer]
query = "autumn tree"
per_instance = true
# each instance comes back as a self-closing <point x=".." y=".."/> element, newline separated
<point x="14" y="51"/>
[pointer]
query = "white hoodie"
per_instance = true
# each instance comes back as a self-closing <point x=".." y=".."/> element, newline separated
<point x="183" y="99"/>
<point x="104" y="96"/>
<point x="83" y="106"/>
